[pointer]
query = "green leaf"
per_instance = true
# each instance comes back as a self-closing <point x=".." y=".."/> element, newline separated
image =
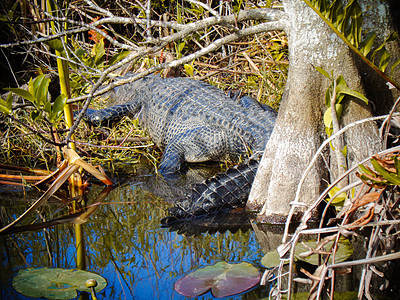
<point x="322" y="6"/>
<point x="344" y="151"/>
<point x="323" y="72"/>
<point x="54" y="283"/>
<point x="36" y="83"/>
<point x="397" y="165"/>
<point x="22" y="93"/>
<point x="9" y="101"/>
<point x="223" y="279"/>
<point x="356" y="22"/>
<point x="328" y="114"/>
<point x="392" y="37"/>
<point x="384" y="59"/>
<point x="365" y="170"/>
<point x="4" y="109"/>
<point x="367" y="43"/>
<point x="56" y="45"/>
<point x="341" y="81"/>
<point x="189" y="69"/>
<point x="35" y="115"/>
<point x="41" y="93"/>
<point x="328" y="117"/>
<point x="59" y="103"/>
<point x="342" y="89"/>
<point x="47" y="107"/>
<point x="389" y="176"/>
<point x="181" y="46"/>
<point x="58" y="107"/>
<point x="336" y="12"/>
<point x="120" y="56"/>
<point x="98" y="51"/>
<point x="338" y="199"/>
<point x="393" y="67"/>
<point x="328" y="95"/>
<point x="346" y="16"/>
<point x="31" y="89"/>
<point x="329" y="131"/>
<point x="6" y="106"/>
<point x="378" y="181"/>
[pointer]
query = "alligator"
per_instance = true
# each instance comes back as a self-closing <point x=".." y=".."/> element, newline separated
<point x="192" y="121"/>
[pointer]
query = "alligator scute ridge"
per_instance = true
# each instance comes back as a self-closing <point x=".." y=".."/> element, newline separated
<point x="226" y="190"/>
<point x="193" y="121"/>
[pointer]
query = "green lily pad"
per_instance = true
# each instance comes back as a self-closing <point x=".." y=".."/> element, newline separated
<point x="336" y="295"/>
<point x="344" y="251"/>
<point x="54" y="283"/>
<point x="271" y="259"/>
<point x="223" y="279"/>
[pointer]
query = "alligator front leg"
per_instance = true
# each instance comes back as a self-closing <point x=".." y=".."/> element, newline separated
<point x="110" y="115"/>
<point x="200" y="144"/>
<point x="171" y="160"/>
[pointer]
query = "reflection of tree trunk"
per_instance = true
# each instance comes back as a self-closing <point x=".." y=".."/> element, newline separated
<point x="299" y="129"/>
<point x="268" y="236"/>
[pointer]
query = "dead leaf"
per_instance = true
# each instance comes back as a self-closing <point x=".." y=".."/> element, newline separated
<point x="63" y="176"/>
<point x="386" y="162"/>
<point x="374" y="182"/>
<point x="364" y="200"/>
<point x="311" y="276"/>
<point x="364" y="219"/>
<point x="253" y="66"/>
<point x="343" y="271"/>
<point x="314" y="287"/>
<point x="74" y="158"/>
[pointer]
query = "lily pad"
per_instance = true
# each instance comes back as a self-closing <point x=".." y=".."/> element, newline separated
<point x="271" y="259"/>
<point x="223" y="279"/>
<point x="54" y="283"/>
<point x="336" y="295"/>
<point x="344" y="251"/>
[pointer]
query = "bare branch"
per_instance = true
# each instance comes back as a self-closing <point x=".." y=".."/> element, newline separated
<point x="269" y="26"/>
<point x="244" y="15"/>
<point x="206" y="7"/>
<point x="184" y="30"/>
<point x="264" y="27"/>
<point x="99" y="9"/>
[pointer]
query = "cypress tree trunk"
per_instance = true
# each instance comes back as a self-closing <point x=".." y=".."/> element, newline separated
<point x="299" y="129"/>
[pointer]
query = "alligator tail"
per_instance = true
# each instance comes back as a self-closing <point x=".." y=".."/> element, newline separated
<point x="225" y="191"/>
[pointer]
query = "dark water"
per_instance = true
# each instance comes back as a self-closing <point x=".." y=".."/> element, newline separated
<point x="124" y="243"/>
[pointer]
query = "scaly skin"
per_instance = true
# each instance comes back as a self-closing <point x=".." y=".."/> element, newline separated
<point x="192" y="121"/>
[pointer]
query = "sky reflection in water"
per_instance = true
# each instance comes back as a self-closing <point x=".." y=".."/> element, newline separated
<point x="125" y="244"/>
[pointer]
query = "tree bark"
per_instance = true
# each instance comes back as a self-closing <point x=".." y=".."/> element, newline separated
<point x="299" y="128"/>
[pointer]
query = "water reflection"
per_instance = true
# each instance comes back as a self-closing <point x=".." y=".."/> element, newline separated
<point x="125" y="244"/>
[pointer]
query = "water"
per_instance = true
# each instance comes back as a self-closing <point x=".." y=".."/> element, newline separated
<point x="124" y="243"/>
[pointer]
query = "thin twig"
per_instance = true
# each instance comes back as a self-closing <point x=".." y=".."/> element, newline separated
<point x="312" y="162"/>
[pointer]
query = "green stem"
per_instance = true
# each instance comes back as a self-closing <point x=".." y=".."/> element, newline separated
<point x="63" y="73"/>
<point x="338" y="143"/>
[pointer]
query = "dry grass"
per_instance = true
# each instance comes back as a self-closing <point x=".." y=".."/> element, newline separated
<point x="256" y="65"/>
